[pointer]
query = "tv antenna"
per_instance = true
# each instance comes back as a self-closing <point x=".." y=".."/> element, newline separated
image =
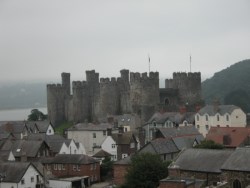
<point x="190" y="63"/>
<point x="148" y="63"/>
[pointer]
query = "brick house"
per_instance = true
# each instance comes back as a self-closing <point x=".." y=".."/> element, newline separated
<point x="66" y="165"/>
<point x="204" y="164"/>
<point x="120" y="170"/>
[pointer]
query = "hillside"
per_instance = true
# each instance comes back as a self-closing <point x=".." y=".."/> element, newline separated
<point x="230" y="86"/>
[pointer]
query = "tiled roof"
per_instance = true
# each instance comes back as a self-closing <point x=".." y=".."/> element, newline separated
<point x="238" y="161"/>
<point x="42" y="126"/>
<point x="122" y="138"/>
<point x="201" y="160"/>
<point x="4" y="155"/>
<point x="228" y="136"/>
<point x="163" y="146"/>
<point x="221" y="109"/>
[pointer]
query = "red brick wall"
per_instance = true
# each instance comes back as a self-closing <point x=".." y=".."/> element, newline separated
<point x="84" y="170"/>
<point x="172" y="185"/>
<point x="119" y="173"/>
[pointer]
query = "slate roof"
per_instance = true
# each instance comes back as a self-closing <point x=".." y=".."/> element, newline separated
<point x="163" y="146"/>
<point x="122" y="138"/>
<point x="211" y="110"/>
<point x="238" y="161"/>
<point x="178" y="132"/>
<point x="228" y="136"/>
<point x="90" y="127"/>
<point x="14" y="171"/>
<point x="12" y="126"/>
<point x="42" y="126"/>
<point x="201" y="160"/>
<point x="124" y="161"/>
<point x="4" y="155"/>
<point x="70" y="159"/>
<point x="102" y="153"/>
<point x="176" y="117"/>
<point x="187" y="142"/>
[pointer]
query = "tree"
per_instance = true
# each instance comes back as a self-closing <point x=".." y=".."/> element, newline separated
<point x="36" y="115"/>
<point x="145" y="171"/>
<point x="209" y="144"/>
<point x="106" y="168"/>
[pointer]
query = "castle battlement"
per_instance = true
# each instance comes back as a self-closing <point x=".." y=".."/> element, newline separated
<point x="184" y="75"/>
<point x="92" y="76"/>
<point x="79" y="84"/>
<point x="108" y="81"/>
<point x="137" y="77"/>
<point x="54" y="86"/>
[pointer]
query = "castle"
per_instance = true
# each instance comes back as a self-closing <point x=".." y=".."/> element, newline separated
<point x="95" y="99"/>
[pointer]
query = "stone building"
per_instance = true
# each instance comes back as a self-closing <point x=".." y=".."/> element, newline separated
<point x="131" y="93"/>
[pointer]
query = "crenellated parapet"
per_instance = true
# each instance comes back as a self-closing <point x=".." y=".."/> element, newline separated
<point x="108" y="82"/>
<point x="79" y="84"/>
<point x="56" y="88"/>
<point x="92" y="76"/>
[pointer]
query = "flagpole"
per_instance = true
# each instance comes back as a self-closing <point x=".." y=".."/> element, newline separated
<point x="148" y="63"/>
<point x="190" y="60"/>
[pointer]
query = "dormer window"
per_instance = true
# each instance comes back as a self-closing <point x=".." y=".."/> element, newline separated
<point x="218" y="118"/>
<point x="206" y="117"/>
<point x="122" y="119"/>
<point x="227" y="117"/>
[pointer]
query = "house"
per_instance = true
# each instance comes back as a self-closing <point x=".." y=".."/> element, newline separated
<point x="204" y="164"/>
<point x="164" y="147"/>
<point x="20" y="175"/>
<point x="40" y="127"/>
<point x="120" y="169"/>
<point x="236" y="168"/>
<point x="167" y="120"/>
<point x="120" y="145"/>
<point x="230" y="137"/>
<point x="17" y="128"/>
<point x="89" y="135"/>
<point x="59" y="144"/>
<point x="219" y="116"/>
<point x="66" y="165"/>
<point x="27" y="150"/>
<point x="101" y="155"/>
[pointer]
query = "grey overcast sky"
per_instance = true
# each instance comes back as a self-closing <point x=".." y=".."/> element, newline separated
<point x="39" y="39"/>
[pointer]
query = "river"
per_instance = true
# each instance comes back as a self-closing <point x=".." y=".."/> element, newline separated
<point x="18" y="114"/>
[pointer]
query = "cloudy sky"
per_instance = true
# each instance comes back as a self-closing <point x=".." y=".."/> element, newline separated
<point x="39" y="39"/>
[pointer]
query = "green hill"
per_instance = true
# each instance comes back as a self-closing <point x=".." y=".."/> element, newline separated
<point x="230" y="86"/>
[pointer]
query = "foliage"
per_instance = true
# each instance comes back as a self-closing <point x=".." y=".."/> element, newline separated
<point x="233" y="78"/>
<point x="145" y="171"/>
<point x="61" y="128"/>
<point x="239" y="98"/>
<point x="106" y="168"/>
<point x="36" y="115"/>
<point x="209" y="144"/>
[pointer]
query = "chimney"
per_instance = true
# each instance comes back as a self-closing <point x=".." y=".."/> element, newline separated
<point x="23" y="157"/>
<point x="109" y="131"/>
<point x="183" y="110"/>
<point x="216" y="104"/>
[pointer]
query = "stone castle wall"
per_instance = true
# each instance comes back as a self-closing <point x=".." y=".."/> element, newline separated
<point x="130" y="93"/>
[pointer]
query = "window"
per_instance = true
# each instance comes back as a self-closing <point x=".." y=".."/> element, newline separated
<point x="113" y="146"/>
<point x="198" y="126"/>
<point x="198" y="118"/>
<point x="59" y="167"/>
<point x="78" y="168"/>
<point x="74" y="167"/>
<point x="55" y="166"/>
<point x="206" y="117"/>
<point x="94" y="135"/>
<point x="227" y="117"/>
<point x="104" y="133"/>
<point x="128" y="119"/>
<point x="22" y="181"/>
<point x="185" y="123"/>
<point x="218" y="125"/>
<point x="49" y="131"/>
<point x="63" y="167"/>
<point x="236" y="184"/>
<point x="227" y="125"/>
<point x="207" y="127"/>
<point x="32" y="179"/>
<point x="132" y="145"/>
<point x="125" y="129"/>
<point x="218" y="118"/>
<point x="124" y="155"/>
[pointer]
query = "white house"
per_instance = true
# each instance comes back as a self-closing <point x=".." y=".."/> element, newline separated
<point x="219" y="116"/>
<point x="20" y="175"/>
<point x="89" y="135"/>
<point x="109" y="145"/>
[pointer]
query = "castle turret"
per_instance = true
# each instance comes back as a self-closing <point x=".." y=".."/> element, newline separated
<point x="66" y="82"/>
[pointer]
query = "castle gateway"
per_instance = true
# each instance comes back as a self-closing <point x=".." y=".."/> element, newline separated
<point x="95" y="99"/>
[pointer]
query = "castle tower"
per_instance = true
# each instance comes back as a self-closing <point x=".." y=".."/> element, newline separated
<point x="108" y="101"/>
<point x="80" y="101"/>
<point x="56" y="95"/>
<point x="66" y="82"/>
<point x="144" y="93"/>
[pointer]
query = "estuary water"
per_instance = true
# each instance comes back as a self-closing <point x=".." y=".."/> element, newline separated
<point x="18" y="114"/>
